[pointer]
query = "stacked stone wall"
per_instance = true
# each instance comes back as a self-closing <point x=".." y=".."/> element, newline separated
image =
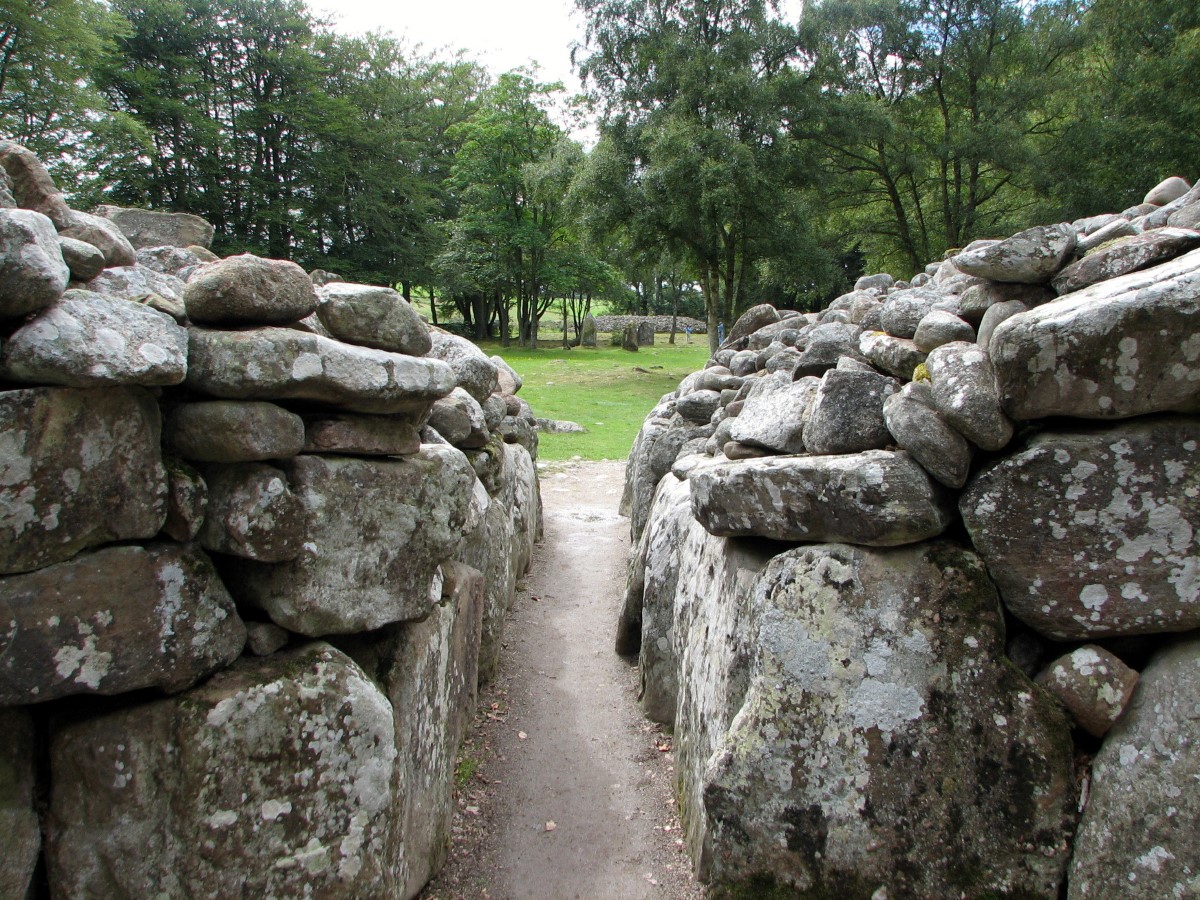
<point x="915" y="578"/>
<point x="257" y="541"/>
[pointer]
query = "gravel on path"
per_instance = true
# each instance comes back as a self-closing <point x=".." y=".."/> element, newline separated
<point x="565" y="789"/>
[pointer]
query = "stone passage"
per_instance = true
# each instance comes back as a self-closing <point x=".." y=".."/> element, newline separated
<point x="257" y="543"/>
<point x="915" y="578"/>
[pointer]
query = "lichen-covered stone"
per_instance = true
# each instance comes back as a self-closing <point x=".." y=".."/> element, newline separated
<point x="1093" y="533"/>
<point x="101" y="234"/>
<point x="903" y="311"/>
<point x="154" y="228"/>
<point x="825" y="345"/>
<point x="896" y="356"/>
<point x="77" y="468"/>
<point x="252" y="513"/>
<point x="285" y="364"/>
<point x="1138" y="834"/>
<point x="187" y="500"/>
<point x="750" y="321"/>
<point x="84" y="260"/>
<point x="1029" y="257"/>
<point x="473" y="371"/>
<point x="698" y="406"/>
<point x="232" y="431"/>
<point x="20" y="832"/>
<point x="372" y="317"/>
<point x="135" y="282"/>
<point x="654" y="450"/>
<point x="428" y="670"/>
<point x="883" y="743"/>
<point x="375" y="532"/>
<point x="459" y="419"/>
<point x="274" y="779"/>
<point x="32" y="271"/>
<point x="1092" y="684"/>
<point x="965" y="393"/>
<point x="940" y="327"/>
<point x="1125" y="256"/>
<point x="846" y="415"/>
<point x="250" y="289"/>
<point x="86" y="340"/>
<point x="1124" y="347"/>
<point x="916" y="425"/>
<point x="997" y="314"/>
<point x="32" y="186"/>
<point x="115" y="620"/>
<point x="360" y="435"/>
<point x="878" y="498"/>
<point x="774" y="413"/>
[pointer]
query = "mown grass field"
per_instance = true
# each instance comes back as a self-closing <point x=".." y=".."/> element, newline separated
<point x="600" y="389"/>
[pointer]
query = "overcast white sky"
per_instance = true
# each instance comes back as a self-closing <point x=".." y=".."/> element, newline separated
<point x="500" y="35"/>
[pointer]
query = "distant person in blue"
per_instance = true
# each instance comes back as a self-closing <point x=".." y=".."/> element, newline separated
<point x="720" y="333"/>
<point x="687" y="329"/>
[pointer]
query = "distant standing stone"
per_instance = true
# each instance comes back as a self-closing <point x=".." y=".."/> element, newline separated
<point x="645" y="334"/>
<point x="629" y="339"/>
<point x="588" y="338"/>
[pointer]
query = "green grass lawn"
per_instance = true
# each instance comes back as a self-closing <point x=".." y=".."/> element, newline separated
<point x="600" y="389"/>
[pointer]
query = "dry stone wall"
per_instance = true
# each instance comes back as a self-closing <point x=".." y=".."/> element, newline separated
<point x="257" y="542"/>
<point x="915" y="578"/>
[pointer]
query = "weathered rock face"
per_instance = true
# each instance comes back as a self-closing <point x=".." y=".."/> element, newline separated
<point x="473" y="371"/>
<point x="1125" y="256"/>
<point x="101" y="234"/>
<point x="144" y="803"/>
<point x="372" y="317"/>
<point x="964" y="392"/>
<point x="1138" y="836"/>
<point x="361" y="435"/>
<point x="250" y="289"/>
<point x="84" y="261"/>
<point x="20" y="833"/>
<point x="1092" y="532"/>
<point x="92" y="341"/>
<point x="231" y="431"/>
<point x="654" y="450"/>
<point x="283" y="364"/>
<point x="147" y="228"/>
<point x="1093" y="685"/>
<point x="113" y="621"/>
<point x="877" y="498"/>
<point x="1123" y="347"/>
<point x="1030" y="257"/>
<point x="32" y="271"/>
<point x="920" y="761"/>
<point x="774" y="414"/>
<point x="134" y="282"/>
<point x="376" y="531"/>
<point x="846" y="415"/>
<point x="252" y="514"/>
<point x="916" y="425"/>
<point x="78" y="468"/>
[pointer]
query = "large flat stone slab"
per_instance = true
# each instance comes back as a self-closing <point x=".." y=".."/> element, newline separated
<point x="115" y="620"/>
<point x="1124" y="347"/>
<point x="285" y="364"/>
<point x="878" y="498"/>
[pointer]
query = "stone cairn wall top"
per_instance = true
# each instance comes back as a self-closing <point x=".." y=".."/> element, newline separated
<point x="267" y="530"/>
<point x="900" y="563"/>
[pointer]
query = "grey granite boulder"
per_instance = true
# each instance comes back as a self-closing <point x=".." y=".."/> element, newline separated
<point x="32" y="186"/>
<point x="77" y="468"/>
<point x="1167" y="190"/>
<point x="252" y="513"/>
<point x="965" y="393"/>
<point x="178" y="262"/>
<point x="1032" y="256"/>
<point x="460" y="420"/>
<point x="1120" y="227"/>
<point x="360" y="435"/>
<point x="85" y="340"/>
<point x="134" y="282"/>
<point x="1125" y="256"/>
<point x="20" y="831"/>
<point x="750" y="321"/>
<point x="698" y="406"/>
<point x="84" y="260"/>
<point x="233" y="431"/>
<point x="473" y="371"/>
<point x="881" y="748"/>
<point x="375" y="532"/>
<point x="372" y="317"/>
<point x="1093" y="685"/>
<point x="32" y="271"/>
<point x="153" y="228"/>
<point x="116" y="620"/>
<point x="977" y="300"/>
<point x="903" y="311"/>
<point x="187" y="500"/>
<point x="878" y="282"/>
<point x="101" y="234"/>
<point x="654" y="450"/>
<point x="1123" y="347"/>
<point x="249" y="289"/>
<point x="996" y="314"/>
<point x="1093" y="533"/>
<point x="774" y="413"/>
<point x="508" y="381"/>
<point x="877" y="498"/>
<point x="1138" y="836"/>
<point x="916" y="426"/>
<point x="846" y="415"/>
<point x="940" y="327"/>
<point x="285" y="364"/>
<point x="275" y="779"/>
<point x="896" y="356"/>
<point x="825" y="345"/>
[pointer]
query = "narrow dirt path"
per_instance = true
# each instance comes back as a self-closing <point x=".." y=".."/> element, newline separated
<point x="565" y="789"/>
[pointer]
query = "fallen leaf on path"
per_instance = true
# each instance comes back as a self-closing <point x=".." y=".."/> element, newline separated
<point x="522" y="735"/>
<point x="550" y="826"/>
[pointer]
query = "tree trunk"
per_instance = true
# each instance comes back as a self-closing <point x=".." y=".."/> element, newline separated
<point x="674" y="312"/>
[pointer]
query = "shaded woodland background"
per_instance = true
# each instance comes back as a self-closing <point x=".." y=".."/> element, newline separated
<point x="742" y="157"/>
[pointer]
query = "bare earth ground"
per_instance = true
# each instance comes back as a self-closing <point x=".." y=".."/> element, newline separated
<point x="565" y="790"/>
